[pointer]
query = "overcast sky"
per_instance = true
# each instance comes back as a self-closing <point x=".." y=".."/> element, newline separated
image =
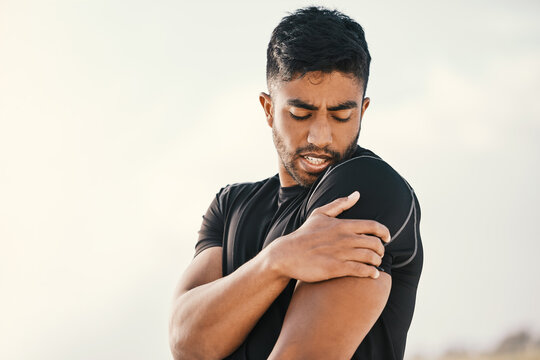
<point x="120" y="120"/>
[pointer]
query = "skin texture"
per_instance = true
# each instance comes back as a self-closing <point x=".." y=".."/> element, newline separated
<point x="345" y="308"/>
<point x="320" y="132"/>
<point x="212" y="315"/>
<point x="207" y="320"/>
<point x="340" y="294"/>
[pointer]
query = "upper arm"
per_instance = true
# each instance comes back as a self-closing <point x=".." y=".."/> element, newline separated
<point x="204" y="268"/>
<point x="331" y="317"/>
<point x="384" y="197"/>
<point x="334" y="316"/>
<point x="206" y="265"/>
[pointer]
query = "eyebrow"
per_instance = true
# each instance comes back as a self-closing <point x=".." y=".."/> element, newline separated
<point x="303" y="105"/>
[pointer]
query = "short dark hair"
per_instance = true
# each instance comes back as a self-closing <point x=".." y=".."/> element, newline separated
<point x="317" y="39"/>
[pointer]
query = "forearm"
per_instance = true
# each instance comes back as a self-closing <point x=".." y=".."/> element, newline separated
<point x="210" y="321"/>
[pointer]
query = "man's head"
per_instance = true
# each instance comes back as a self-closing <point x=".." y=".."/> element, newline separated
<point x="317" y="71"/>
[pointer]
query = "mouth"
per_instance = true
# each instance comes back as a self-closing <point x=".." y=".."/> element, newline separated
<point x="315" y="163"/>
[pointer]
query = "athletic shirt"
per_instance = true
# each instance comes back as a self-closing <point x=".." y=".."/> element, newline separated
<point x="244" y="218"/>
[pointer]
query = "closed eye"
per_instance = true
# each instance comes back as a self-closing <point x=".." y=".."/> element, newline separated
<point x="341" y="119"/>
<point x="300" y="117"/>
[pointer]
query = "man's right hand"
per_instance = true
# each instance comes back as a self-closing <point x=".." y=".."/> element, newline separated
<point x="325" y="247"/>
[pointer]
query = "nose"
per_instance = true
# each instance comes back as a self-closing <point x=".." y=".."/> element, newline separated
<point x="320" y="132"/>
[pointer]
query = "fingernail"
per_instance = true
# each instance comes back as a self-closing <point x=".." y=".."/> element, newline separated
<point x="377" y="274"/>
<point x="352" y="195"/>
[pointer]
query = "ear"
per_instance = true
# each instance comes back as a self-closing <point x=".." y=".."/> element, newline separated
<point x="365" y="105"/>
<point x="266" y="103"/>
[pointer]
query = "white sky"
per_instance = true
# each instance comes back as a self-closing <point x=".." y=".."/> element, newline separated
<point x="119" y="121"/>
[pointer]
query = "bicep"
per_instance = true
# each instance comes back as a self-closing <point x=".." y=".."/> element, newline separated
<point x="204" y="268"/>
<point x="331" y="317"/>
<point x="334" y="316"/>
<point x="206" y="265"/>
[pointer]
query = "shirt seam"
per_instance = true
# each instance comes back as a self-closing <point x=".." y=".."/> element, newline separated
<point x="411" y="211"/>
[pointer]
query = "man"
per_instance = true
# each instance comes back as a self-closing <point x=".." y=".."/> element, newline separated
<point x="276" y="274"/>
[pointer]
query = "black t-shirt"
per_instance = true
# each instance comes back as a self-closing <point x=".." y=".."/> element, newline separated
<point x="244" y="218"/>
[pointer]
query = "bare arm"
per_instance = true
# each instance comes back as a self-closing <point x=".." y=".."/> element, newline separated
<point x="212" y="315"/>
<point x="328" y="320"/>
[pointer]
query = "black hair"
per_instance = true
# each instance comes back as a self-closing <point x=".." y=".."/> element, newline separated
<point x="317" y="39"/>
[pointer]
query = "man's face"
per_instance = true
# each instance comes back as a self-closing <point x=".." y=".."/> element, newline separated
<point x="315" y="122"/>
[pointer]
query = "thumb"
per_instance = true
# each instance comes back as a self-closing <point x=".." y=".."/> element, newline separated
<point x="339" y="205"/>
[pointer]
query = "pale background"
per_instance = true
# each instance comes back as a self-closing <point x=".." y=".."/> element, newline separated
<point x="120" y="120"/>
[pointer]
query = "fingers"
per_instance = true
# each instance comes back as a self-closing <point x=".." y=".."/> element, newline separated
<point x="339" y="205"/>
<point x="365" y="256"/>
<point x="358" y="226"/>
<point x="361" y="270"/>
<point x="371" y="227"/>
<point x="368" y="242"/>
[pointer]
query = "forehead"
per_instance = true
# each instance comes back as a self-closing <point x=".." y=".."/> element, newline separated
<point x="318" y="87"/>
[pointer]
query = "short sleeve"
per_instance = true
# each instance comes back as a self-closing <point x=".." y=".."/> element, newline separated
<point x="384" y="197"/>
<point x="211" y="231"/>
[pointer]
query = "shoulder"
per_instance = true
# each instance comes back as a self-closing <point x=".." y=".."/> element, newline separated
<point x="243" y="190"/>
<point x="236" y="188"/>
<point x="227" y="199"/>
<point x="385" y="196"/>
<point x="367" y="173"/>
<point x="366" y="168"/>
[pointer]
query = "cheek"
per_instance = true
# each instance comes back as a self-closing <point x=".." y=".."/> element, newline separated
<point x="346" y="134"/>
<point x="290" y="131"/>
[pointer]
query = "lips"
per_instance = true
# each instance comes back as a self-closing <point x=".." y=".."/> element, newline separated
<point x="317" y="155"/>
<point x="314" y="163"/>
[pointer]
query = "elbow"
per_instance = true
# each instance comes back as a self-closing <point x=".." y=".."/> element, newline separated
<point x="181" y="349"/>
<point x="185" y="347"/>
<point x="179" y="342"/>
<point x="177" y="352"/>
<point x="187" y="340"/>
<point x="181" y="353"/>
<point x="178" y="347"/>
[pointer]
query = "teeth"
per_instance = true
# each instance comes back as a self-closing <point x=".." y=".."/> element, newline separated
<point x="315" y="161"/>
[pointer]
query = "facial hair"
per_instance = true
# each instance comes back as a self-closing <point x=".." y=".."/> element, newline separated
<point x="288" y="159"/>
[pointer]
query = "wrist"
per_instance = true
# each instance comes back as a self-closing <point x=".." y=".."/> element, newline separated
<point x="274" y="259"/>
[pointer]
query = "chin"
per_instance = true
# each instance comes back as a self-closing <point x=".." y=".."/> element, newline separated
<point x="307" y="179"/>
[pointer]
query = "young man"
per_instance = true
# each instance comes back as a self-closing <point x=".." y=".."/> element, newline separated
<point x="276" y="273"/>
